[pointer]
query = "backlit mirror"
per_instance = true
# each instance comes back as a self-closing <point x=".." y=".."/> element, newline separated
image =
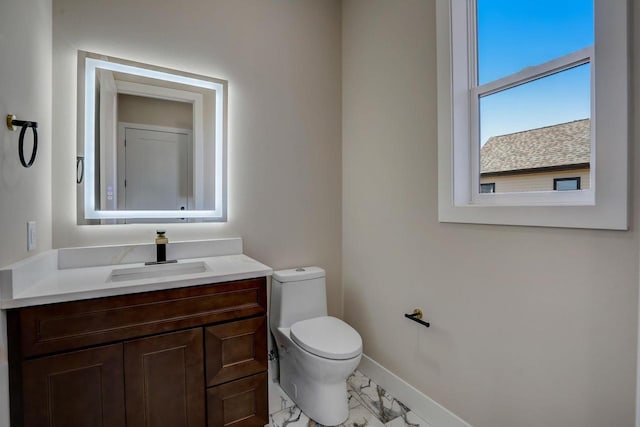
<point x="151" y="143"/>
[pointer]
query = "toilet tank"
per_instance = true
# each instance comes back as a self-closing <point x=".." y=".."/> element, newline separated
<point x="297" y="294"/>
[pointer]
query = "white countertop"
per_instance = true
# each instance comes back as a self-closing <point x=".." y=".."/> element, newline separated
<point x="40" y="280"/>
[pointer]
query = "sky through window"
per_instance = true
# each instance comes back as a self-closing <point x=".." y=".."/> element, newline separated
<point x="513" y="35"/>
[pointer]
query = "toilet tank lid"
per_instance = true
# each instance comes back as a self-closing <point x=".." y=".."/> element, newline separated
<point x="300" y="273"/>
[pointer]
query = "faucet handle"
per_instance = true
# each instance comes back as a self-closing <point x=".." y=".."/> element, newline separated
<point x="161" y="239"/>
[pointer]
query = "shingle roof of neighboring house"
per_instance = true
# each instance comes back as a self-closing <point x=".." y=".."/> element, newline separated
<point x="552" y="146"/>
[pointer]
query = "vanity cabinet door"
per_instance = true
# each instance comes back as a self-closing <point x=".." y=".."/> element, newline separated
<point x="79" y="389"/>
<point x="164" y="380"/>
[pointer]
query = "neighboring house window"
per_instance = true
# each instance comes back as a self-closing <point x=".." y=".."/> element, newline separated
<point x="523" y="79"/>
<point x="489" y="187"/>
<point x="563" y="184"/>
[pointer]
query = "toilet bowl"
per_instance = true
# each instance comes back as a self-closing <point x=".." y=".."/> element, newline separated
<point x="316" y="352"/>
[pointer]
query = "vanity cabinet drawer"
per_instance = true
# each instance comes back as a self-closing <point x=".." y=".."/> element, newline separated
<point x="235" y="350"/>
<point x="67" y="326"/>
<point x="240" y="403"/>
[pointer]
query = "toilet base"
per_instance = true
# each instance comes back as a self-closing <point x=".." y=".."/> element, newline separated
<point x="324" y="403"/>
<point x="318" y="385"/>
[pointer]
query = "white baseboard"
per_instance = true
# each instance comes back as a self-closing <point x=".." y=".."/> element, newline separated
<point x="419" y="403"/>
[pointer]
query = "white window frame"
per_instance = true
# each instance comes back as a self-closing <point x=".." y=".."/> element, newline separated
<point x="529" y="74"/>
<point x="604" y="205"/>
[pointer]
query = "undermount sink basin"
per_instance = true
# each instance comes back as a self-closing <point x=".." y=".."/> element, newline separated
<point x="157" y="270"/>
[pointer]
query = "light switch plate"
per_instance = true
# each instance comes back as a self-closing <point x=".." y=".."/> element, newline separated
<point x="31" y="235"/>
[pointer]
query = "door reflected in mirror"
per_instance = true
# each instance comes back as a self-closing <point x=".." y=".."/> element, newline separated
<point x="153" y="142"/>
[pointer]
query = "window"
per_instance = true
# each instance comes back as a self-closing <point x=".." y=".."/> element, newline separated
<point x="530" y="108"/>
<point x="564" y="184"/>
<point x="523" y="80"/>
<point x="489" y="187"/>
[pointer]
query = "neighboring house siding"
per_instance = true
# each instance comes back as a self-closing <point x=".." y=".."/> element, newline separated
<point x="542" y="181"/>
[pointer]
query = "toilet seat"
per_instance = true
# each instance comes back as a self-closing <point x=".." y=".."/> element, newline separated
<point x="327" y="337"/>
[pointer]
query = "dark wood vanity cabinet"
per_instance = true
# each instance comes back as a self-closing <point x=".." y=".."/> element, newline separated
<point x="194" y="356"/>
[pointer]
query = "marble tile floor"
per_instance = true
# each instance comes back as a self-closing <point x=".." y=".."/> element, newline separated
<point x="369" y="405"/>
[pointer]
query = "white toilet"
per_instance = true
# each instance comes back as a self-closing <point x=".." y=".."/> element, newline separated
<point x="316" y="352"/>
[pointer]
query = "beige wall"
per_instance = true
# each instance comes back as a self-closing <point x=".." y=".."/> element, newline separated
<point x="25" y="194"/>
<point x="25" y="90"/>
<point x="154" y="111"/>
<point x="542" y="181"/>
<point x="530" y="326"/>
<point x="282" y="60"/>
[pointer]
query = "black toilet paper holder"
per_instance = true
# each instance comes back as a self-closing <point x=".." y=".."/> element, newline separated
<point x="416" y="316"/>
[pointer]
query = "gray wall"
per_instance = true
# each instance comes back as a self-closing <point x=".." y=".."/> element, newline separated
<point x="282" y="60"/>
<point x="530" y="326"/>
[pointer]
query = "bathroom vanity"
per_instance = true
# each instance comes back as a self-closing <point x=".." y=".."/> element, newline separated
<point x="188" y="349"/>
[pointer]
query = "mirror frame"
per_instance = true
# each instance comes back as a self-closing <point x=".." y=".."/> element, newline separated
<point x="87" y="64"/>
